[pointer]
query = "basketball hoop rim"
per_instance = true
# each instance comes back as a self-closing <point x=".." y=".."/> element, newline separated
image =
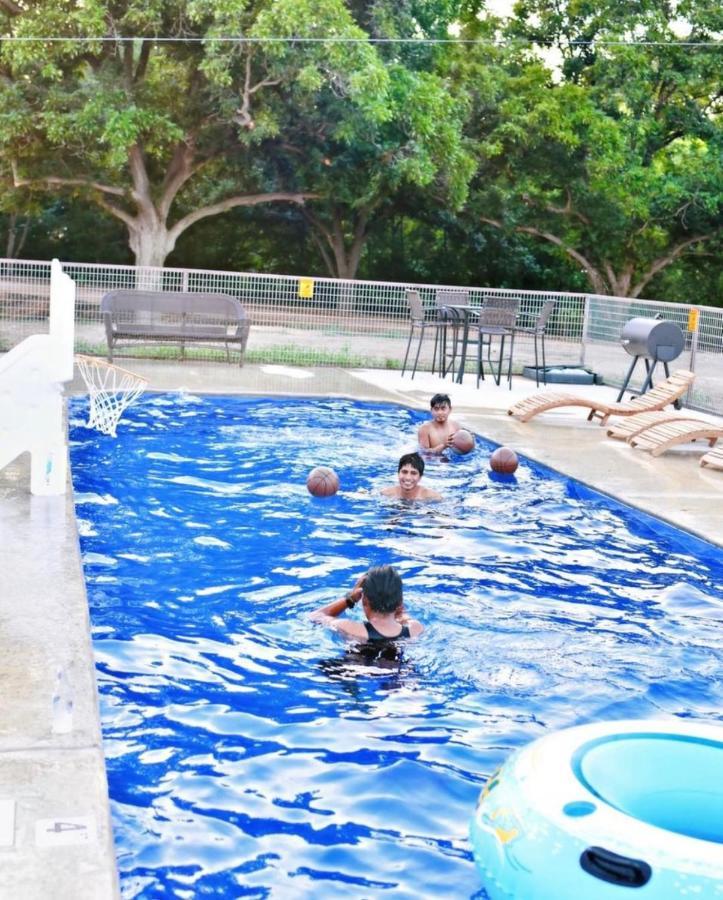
<point x="104" y="364"/>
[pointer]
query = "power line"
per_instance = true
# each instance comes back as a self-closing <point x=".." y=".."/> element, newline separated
<point x="231" y="39"/>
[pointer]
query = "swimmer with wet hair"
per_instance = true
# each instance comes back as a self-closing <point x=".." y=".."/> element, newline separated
<point x="436" y="435"/>
<point x="381" y="594"/>
<point x="409" y="472"/>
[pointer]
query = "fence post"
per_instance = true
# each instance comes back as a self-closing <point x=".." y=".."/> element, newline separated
<point x="585" y="327"/>
<point x="693" y="321"/>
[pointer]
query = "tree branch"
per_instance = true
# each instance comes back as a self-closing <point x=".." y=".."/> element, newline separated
<point x="143" y="59"/>
<point x="180" y="169"/>
<point x="663" y="261"/>
<point x="319" y="234"/>
<point x="141" y="183"/>
<point x="11" y="8"/>
<point x="232" y="202"/>
<point x="566" y="210"/>
<point x="118" y="213"/>
<point x="243" y="114"/>
<point x="596" y="279"/>
<point x="56" y="181"/>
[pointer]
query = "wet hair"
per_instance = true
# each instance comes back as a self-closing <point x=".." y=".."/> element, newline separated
<point x="411" y="459"/>
<point x="440" y="400"/>
<point x="383" y="589"/>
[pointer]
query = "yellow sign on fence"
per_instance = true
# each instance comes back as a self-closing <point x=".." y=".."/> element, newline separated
<point x="306" y="287"/>
<point x="693" y="316"/>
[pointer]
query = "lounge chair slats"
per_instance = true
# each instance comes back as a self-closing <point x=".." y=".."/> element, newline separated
<point x="713" y="458"/>
<point x="662" y="437"/>
<point x="656" y="398"/>
<point x="633" y="425"/>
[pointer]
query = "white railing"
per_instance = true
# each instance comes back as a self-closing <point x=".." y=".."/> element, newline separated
<point x="325" y="321"/>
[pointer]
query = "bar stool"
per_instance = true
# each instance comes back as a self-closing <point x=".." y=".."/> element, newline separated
<point x="450" y="307"/>
<point x="537" y="329"/>
<point x="419" y="318"/>
<point x="496" y="318"/>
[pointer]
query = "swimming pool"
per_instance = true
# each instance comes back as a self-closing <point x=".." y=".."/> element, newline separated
<point x="246" y="755"/>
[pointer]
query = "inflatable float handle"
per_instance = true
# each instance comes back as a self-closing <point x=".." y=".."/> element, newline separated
<point x="615" y="869"/>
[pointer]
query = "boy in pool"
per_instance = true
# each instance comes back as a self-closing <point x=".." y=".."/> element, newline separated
<point x="436" y="435"/>
<point x="380" y="592"/>
<point x="409" y="473"/>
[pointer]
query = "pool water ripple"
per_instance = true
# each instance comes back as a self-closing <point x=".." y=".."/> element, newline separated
<point x="248" y="753"/>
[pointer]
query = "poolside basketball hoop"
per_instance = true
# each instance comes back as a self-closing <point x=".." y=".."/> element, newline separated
<point x="110" y="389"/>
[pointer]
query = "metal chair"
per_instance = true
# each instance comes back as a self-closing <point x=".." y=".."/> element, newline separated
<point x="420" y="319"/>
<point x="537" y="329"/>
<point x="450" y="306"/>
<point x="497" y="318"/>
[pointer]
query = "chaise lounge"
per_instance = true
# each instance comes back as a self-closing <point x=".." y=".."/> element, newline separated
<point x="631" y="426"/>
<point x="713" y="458"/>
<point x="657" y="398"/>
<point x="662" y="437"/>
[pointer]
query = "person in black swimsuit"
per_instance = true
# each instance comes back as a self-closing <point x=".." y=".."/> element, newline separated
<point x="380" y="592"/>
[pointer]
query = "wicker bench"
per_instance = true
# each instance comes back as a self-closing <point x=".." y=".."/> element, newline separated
<point x="174" y="316"/>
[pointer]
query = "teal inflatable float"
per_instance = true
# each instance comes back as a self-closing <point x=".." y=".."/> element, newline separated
<point x="619" y="810"/>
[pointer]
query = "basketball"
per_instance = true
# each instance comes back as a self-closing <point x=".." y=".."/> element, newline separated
<point x="463" y="441"/>
<point x="504" y="461"/>
<point x="322" y="482"/>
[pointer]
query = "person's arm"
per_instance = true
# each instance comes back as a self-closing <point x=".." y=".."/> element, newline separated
<point x="333" y="609"/>
<point x="425" y="439"/>
<point x="329" y="614"/>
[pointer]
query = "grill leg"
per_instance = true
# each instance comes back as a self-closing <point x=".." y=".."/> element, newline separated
<point x="648" y="383"/>
<point x="627" y="378"/>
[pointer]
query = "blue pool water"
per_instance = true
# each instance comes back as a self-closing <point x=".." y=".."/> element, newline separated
<point x="247" y="755"/>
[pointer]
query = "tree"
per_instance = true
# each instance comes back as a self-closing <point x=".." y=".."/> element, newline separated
<point x="614" y="165"/>
<point x="161" y="134"/>
<point x="362" y="166"/>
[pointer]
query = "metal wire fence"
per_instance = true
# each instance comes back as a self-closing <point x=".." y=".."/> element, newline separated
<point x="354" y="324"/>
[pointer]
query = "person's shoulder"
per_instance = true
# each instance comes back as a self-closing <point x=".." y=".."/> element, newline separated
<point x="430" y="494"/>
<point x="351" y="629"/>
<point x="390" y="491"/>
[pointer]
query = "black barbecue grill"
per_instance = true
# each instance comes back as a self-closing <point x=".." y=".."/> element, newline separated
<point x="654" y="341"/>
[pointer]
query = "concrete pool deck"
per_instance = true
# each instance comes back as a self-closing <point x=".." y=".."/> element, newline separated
<point x="55" y="833"/>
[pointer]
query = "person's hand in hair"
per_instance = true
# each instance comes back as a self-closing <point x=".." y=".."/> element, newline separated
<point x="354" y="595"/>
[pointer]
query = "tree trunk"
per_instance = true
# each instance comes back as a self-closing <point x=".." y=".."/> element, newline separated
<point x="150" y="244"/>
<point x="15" y="242"/>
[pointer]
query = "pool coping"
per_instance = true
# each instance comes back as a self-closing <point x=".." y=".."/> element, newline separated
<point x="54" y="775"/>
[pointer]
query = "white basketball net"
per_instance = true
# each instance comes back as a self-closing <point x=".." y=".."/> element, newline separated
<point x="111" y="389"/>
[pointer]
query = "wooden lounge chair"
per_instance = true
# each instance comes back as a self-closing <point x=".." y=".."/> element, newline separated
<point x="662" y="437"/>
<point x="633" y="425"/>
<point x="656" y="398"/>
<point x="713" y="458"/>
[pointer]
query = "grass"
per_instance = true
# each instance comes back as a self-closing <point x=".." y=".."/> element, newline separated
<point x="279" y="355"/>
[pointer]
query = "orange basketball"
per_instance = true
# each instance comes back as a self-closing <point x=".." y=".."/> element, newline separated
<point x="463" y="441"/>
<point x="322" y="482"/>
<point x="504" y="461"/>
